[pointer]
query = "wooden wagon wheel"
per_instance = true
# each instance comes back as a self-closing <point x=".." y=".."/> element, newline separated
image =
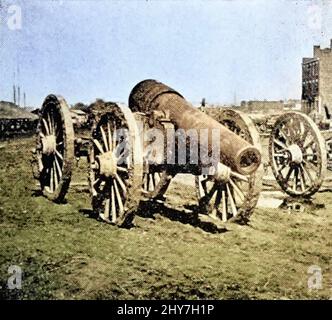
<point x="297" y="154"/>
<point x="55" y="148"/>
<point x="226" y="194"/>
<point x="155" y="184"/>
<point x="116" y="166"/>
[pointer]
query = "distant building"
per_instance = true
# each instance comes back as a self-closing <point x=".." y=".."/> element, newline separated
<point x="292" y="104"/>
<point x="317" y="83"/>
<point x="263" y="106"/>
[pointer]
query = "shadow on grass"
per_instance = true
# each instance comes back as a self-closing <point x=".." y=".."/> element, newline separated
<point x="39" y="193"/>
<point x="149" y="209"/>
<point x="301" y="205"/>
<point x="88" y="213"/>
<point x="189" y="215"/>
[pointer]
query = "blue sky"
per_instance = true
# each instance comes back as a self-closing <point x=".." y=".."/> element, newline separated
<point x="213" y="49"/>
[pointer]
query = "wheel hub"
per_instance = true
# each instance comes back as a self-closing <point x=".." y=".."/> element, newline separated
<point x="222" y="173"/>
<point x="49" y="144"/>
<point x="107" y="164"/>
<point x="296" y="154"/>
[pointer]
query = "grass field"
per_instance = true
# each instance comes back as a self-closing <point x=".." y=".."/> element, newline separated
<point x="66" y="254"/>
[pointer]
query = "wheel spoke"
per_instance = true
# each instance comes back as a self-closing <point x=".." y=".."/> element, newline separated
<point x="46" y="126"/>
<point x="307" y="173"/>
<point x="109" y="136"/>
<point x="308" y="154"/>
<point x="154" y="180"/>
<point x="310" y="165"/>
<point x="51" y="180"/>
<point x="114" y="137"/>
<point x="144" y="182"/>
<point x="98" y="145"/>
<point x="280" y="155"/>
<point x="97" y="182"/>
<point x="120" y="202"/>
<point x="56" y="180"/>
<point x="200" y="188"/>
<point x="212" y="191"/>
<point x="104" y="138"/>
<point x="298" y="126"/>
<point x="305" y="134"/>
<point x="213" y="200"/>
<point x="239" y="176"/>
<point x="121" y="183"/>
<point x="291" y="130"/>
<point x="224" y="205"/>
<point x="311" y="142"/>
<point x="295" y="180"/>
<point x="59" y="154"/>
<point x="302" y="179"/>
<point x="283" y="166"/>
<point x="121" y="169"/>
<point x="151" y="184"/>
<point x="107" y="209"/>
<point x="113" y="205"/>
<point x="148" y="182"/>
<point x="231" y="200"/>
<point x="218" y="199"/>
<point x="58" y="167"/>
<point x="204" y="182"/>
<point x="290" y="171"/>
<point x="237" y="190"/>
<point x="58" y="131"/>
<point x="283" y="134"/>
<point x="50" y="125"/>
<point x="96" y="185"/>
<point x="158" y="178"/>
<point x="280" y="144"/>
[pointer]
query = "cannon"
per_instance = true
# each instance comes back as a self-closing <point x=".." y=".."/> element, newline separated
<point x="231" y="188"/>
<point x="133" y="153"/>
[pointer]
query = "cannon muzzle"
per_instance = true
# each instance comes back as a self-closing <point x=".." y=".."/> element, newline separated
<point x="235" y="152"/>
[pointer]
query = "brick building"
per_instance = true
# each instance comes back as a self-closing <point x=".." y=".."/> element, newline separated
<point x="317" y="83"/>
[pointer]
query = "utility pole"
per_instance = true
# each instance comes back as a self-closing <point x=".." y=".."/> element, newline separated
<point x="18" y="86"/>
<point x="18" y="96"/>
<point x="24" y="100"/>
<point x="14" y="94"/>
<point x="14" y="88"/>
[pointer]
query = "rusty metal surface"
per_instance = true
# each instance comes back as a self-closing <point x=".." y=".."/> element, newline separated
<point x="145" y="92"/>
<point x="152" y="95"/>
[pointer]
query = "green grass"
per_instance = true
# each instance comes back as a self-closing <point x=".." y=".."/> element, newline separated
<point x="65" y="254"/>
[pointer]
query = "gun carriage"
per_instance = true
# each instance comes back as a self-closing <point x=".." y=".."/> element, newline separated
<point x="134" y="153"/>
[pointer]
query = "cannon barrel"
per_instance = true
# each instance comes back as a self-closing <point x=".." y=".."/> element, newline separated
<point x="236" y="152"/>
